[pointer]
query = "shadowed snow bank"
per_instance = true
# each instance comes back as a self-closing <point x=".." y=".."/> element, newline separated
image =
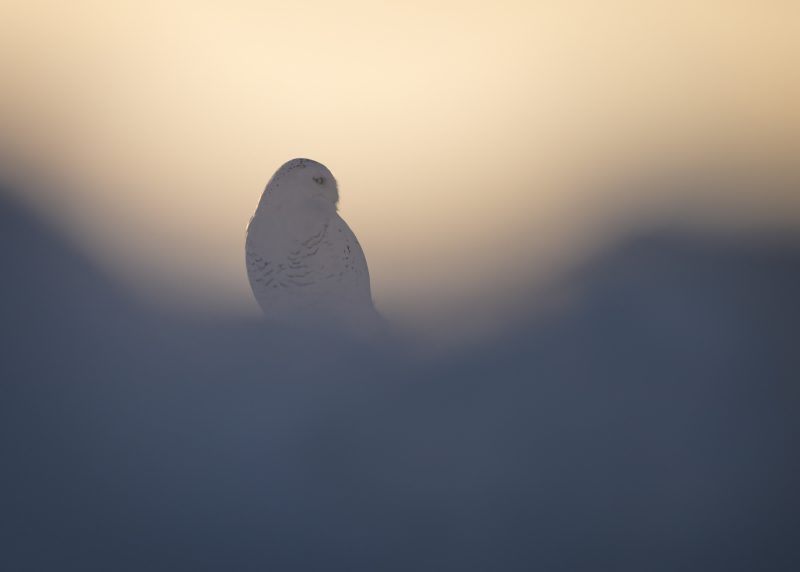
<point x="652" y="424"/>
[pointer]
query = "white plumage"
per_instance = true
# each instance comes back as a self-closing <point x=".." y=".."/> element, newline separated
<point x="303" y="261"/>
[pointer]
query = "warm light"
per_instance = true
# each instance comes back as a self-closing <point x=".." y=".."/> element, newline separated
<point x="475" y="145"/>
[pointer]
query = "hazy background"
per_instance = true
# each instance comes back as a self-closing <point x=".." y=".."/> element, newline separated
<point x="479" y="147"/>
<point x="598" y="201"/>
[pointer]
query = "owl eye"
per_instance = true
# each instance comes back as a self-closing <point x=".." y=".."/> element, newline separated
<point x="319" y="180"/>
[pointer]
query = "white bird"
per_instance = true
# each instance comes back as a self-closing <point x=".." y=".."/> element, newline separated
<point x="303" y="261"/>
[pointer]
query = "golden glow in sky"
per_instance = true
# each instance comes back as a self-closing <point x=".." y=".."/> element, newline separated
<point x="473" y="142"/>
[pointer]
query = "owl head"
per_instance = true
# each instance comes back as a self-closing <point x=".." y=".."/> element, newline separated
<point x="302" y="182"/>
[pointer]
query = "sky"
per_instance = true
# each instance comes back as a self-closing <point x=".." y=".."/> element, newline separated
<point x="478" y="146"/>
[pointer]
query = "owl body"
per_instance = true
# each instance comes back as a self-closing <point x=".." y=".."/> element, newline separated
<point x="303" y="261"/>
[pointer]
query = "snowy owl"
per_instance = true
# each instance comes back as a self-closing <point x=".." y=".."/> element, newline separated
<point x="303" y="261"/>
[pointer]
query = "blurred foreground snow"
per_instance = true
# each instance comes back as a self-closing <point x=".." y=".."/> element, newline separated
<point x="651" y="425"/>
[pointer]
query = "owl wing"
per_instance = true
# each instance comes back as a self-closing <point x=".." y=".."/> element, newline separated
<point x="324" y="270"/>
